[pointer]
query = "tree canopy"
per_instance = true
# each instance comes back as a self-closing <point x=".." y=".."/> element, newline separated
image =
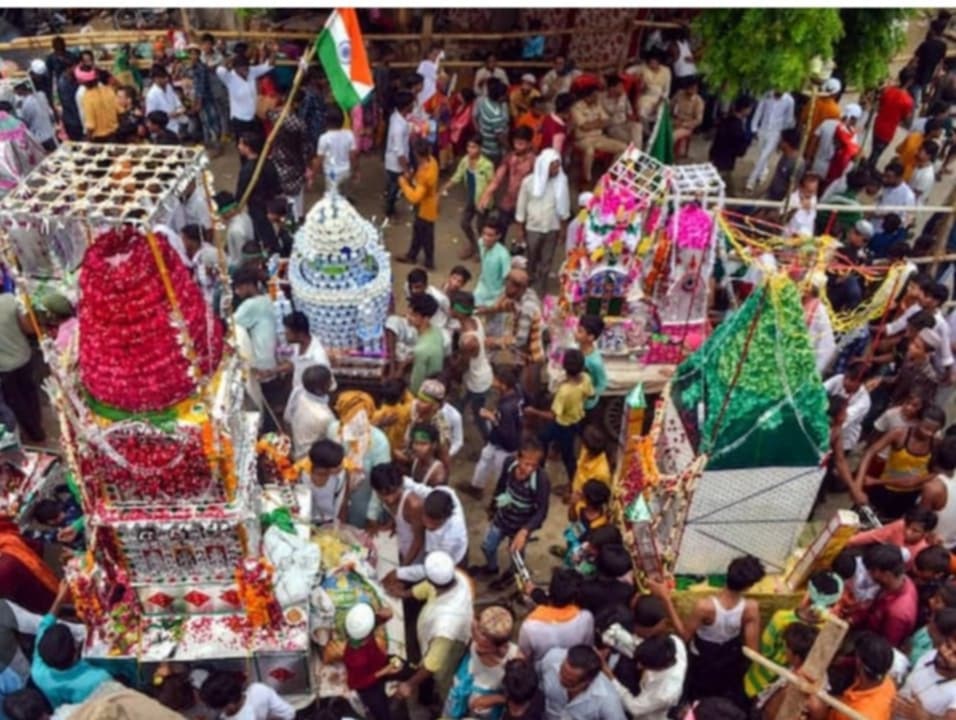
<point x="756" y="50"/>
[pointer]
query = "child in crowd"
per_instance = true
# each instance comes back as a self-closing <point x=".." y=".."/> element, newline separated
<point x="797" y="638"/>
<point x="330" y="486"/>
<point x="909" y="533"/>
<point x="929" y="572"/>
<point x="421" y="190"/>
<point x="62" y="520"/>
<point x="427" y="468"/>
<point x="523" y="698"/>
<point x="567" y="410"/>
<point x="586" y="335"/>
<point x="587" y="514"/>
<point x="505" y="427"/>
<point x="592" y="464"/>
<point x="227" y="694"/>
<point x="394" y="414"/>
<point x="366" y="663"/>
<point x="336" y="157"/>
<point x="57" y="670"/>
<point x="803" y="204"/>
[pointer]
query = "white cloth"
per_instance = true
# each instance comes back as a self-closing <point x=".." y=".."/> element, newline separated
<point x="900" y="196"/>
<point x="660" y="689"/>
<point x="335" y="148"/>
<point x="934" y="691"/>
<point x="543" y="201"/>
<point x="166" y="100"/>
<point x="448" y="614"/>
<point x="484" y="75"/>
<point x="825" y="135"/>
<point x="857" y="408"/>
<point x="489" y="465"/>
<point x="921" y="182"/>
<point x="196" y="209"/>
<point x="296" y="561"/>
<point x="768" y="142"/>
<point x="309" y="420"/>
<point x="553" y="84"/>
<point x="684" y="65"/>
<point x="451" y="537"/>
<point x="429" y="72"/>
<point x="478" y="375"/>
<point x="78" y="96"/>
<point x="453" y="418"/>
<point x="821" y="336"/>
<point x="256" y="315"/>
<point x="943" y="356"/>
<point x="773" y="114"/>
<point x="243" y="95"/>
<point x="239" y="231"/>
<point x="946" y="516"/>
<point x="314" y="355"/>
<point x="396" y="145"/>
<point x="537" y="636"/>
<point x="263" y="703"/>
<point x="804" y="218"/>
<point x="327" y="500"/>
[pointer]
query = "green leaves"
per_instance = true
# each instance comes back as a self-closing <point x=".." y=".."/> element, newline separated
<point x="756" y="50"/>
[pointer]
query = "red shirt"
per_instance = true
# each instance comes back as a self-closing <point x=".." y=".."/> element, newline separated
<point x="895" y="105"/>
<point x="552" y="127"/>
<point x="362" y="662"/>
<point x="893" y="615"/>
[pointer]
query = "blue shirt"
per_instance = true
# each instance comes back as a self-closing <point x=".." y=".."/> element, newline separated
<point x="73" y="685"/>
<point x="495" y="264"/>
<point x="594" y="366"/>
<point x="10" y="682"/>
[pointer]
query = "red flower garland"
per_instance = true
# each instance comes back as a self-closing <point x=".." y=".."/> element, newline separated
<point x="130" y="354"/>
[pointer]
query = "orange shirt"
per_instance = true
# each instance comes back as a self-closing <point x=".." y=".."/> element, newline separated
<point x="825" y="108"/>
<point x="907" y="150"/>
<point x="424" y="192"/>
<point x="528" y="119"/>
<point x="875" y="703"/>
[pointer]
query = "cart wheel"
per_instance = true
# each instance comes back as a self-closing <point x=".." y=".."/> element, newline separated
<point x="613" y="416"/>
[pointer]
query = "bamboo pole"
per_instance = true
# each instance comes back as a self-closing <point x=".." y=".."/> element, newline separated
<point x="264" y="154"/>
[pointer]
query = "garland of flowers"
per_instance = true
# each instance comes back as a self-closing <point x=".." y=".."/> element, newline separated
<point x="275" y="449"/>
<point x="219" y="454"/>
<point x="254" y="578"/>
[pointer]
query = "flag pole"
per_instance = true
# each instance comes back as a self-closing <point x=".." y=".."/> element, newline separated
<point x="261" y="160"/>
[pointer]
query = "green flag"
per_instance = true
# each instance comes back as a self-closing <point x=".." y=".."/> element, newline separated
<point x="662" y="149"/>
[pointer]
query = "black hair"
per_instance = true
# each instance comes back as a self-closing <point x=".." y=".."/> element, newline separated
<point x="907" y="75"/>
<point x="426" y="428"/>
<point x="613" y="561"/>
<point x="944" y="619"/>
<point x="612" y="80"/>
<point x="520" y="683"/>
<point x="207" y="37"/>
<point x="47" y="510"/>
<point x="507" y="375"/>
<point x="278" y="206"/>
<point x="718" y="708"/>
<point x="177" y="692"/>
<point x="596" y="493"/>
<point x="931" y="148"/>
<point x="326" y="454"/>
<point x="468" y="95"/>
<point x="593" y="325"/>
<point x="25" y="704"/>
<point x="791" y="136"/>
<point x="656" y="653"/>
<point x="921" y="320"/>
<point x="934" y="559"/>
<point x="297" y="321"/>
<point x="934" y="124"/>
<point x="414" y="79"/>
<point x="744" y="572"/>
<point x="938" y="292"/>
<point x="334" y="708"/>
<point x="158" y="117"/>
<point x="417" y="276"/>
<point x="403" y="100"/>
<point x="223" y="198"/>
<point x="422" y="148"/>
<point x="615" y="614"/>
<point x="386" y="477"/>
<point x="649" y="611"/>
<point x="594" y="439"/>
<point x="891" y="222"/>
<point x="222" y="688"/>
<point x="856" y="179"/>
<point x="245" y="276"/>
<point x="933" y="414"/>
<point x="875" y="654"/>
<point x="799" y="638"/>
<point x="895" y="167"/>
<point x="584" y="658"/>
<point x="538" y="100"/>
<point x="945" y="456"/>
<point x="252" y="140"/>
<point x="836" y="405"/>
<point x="57" y="647"/>
<point x="317" y="379"/>
<point x="564" y="587"/>
<point x="492" y="220"/>
<point x="605" y="535"/>
<point x="193" y="232"/>
<point x="523" y="133"/>
<point x="938" y="107"/>
<point x="884" y="557"/>
<point x="239" y="59"/>
<point x="563" y="102"/>
<point x="438" y="505"/>
<point x="742" y="103"/>
<point x="463" y="272"/>
<point x="824" y="582"/>
<point x="393" y="390"/>
<point x="424" y="305"/>
<point x="158" y="71"/>
<point x="946" y="593"/>
<point x="496" y="89"/>
<point x="530" y="443"/>
<point x="573" y="362"/>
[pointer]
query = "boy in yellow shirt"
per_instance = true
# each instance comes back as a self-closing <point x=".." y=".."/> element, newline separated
<point x="567" y="410"/>
<point x="394" y="415"/>
<point x="421" y="190"/>
<point x="592" y="462"/>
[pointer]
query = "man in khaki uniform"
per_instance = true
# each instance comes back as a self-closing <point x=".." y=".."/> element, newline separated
<point x="624" y="125"/>
<point x="590" y="121"/>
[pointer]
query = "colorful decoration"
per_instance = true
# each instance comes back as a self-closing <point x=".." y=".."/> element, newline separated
<point x="254" y="578"/>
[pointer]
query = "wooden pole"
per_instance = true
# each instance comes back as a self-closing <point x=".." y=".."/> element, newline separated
<point x="299" y="76"/>
<point x="814" y="668"/>
<point x="187" y="25"/>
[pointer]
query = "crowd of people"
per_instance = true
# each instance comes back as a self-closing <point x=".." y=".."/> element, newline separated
<point x="470" y="351"/>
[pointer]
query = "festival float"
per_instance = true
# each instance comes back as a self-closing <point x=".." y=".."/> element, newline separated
<point x="642" y="259"/>
<point x="148" y="391"/>
<point x="341" y="278"/>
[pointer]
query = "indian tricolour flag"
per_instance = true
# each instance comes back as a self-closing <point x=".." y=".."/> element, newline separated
<point x="342" y="53"/>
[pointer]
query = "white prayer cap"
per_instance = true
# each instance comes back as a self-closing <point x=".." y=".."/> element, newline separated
<point x="865" y="228"/>
<point x="832" y="87"/>
<point x="360" y="621"/>
<point x="38" y="67"/>
<point x="439" y="567"/>
<point x="853" y="111"/>
<point x="529" y="78"/>
<point x="584" y="198"/>
<point x="519" y="262"/>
